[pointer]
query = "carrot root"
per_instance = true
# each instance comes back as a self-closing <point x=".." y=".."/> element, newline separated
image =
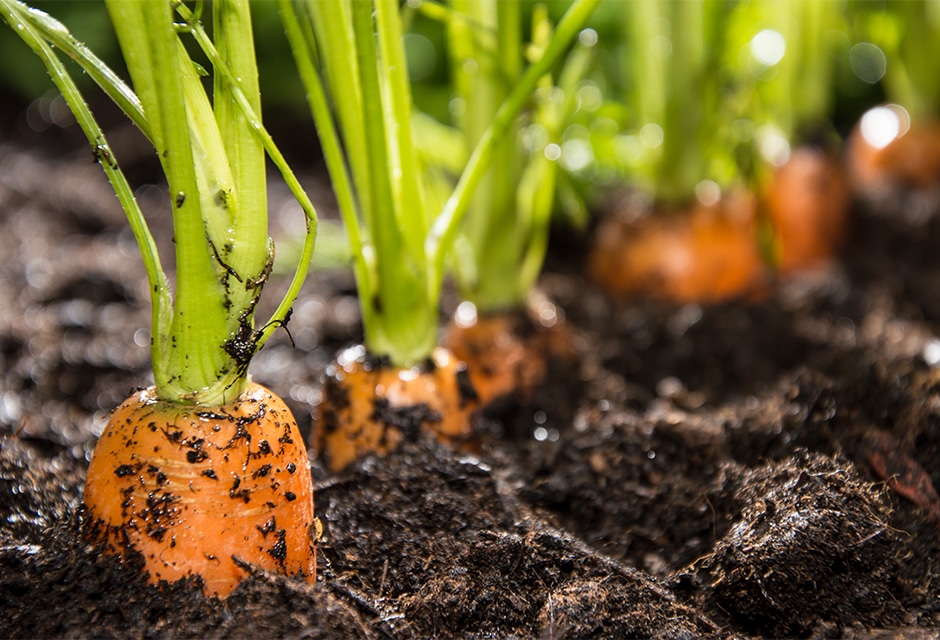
<point x="808" y="204"/>
<point x="193" y="488"/>
<point x="510" y="355"/>
<point x="909" y="159"/>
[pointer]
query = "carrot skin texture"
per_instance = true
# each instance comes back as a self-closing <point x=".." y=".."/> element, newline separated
<point x="370" y="407"/>
<point x="190" y="487"/>
<point x="509" y="354"/>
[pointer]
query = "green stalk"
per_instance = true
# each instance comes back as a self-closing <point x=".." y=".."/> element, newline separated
<point x="191" y="365"/>
<point x="537" y="187"/>
<point x="331" y="25"/>
<point x="373" y="112"/>
<point x="485" y="46"/>
<point x="505" y="235"/>
<point x="55" y="33"/>
<point x="685" y="77"/>
<point x="811" y="74"/>
<point x="797" y="94"/>
<point x="446" y="225"/>
<point x="280" y="315"/>
<point x="407" y="319"/>
<point x="243" y="148"/>
<point x="675" y="80"/>
<point x="404" y="164"/>
<point x="303" y="46"/>
<point x="913" y="49"/>
<point x="407" y="329"/>
<point x="401" y="262"/>
<point x="213" y="157"/>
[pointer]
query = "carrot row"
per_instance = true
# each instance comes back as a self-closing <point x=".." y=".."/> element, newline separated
<point x="206" y="474"/>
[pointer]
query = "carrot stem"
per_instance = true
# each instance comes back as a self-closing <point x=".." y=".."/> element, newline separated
<point x="674" y="83"/>
<point x="793" y="86"/>
<point x="256" y="128"/>
<point x="302" y="42"/>
<point x="213" y="157"/>
<point x="406" y="331"/>
<point x="485" y="47"/>
<point x="399" y="252"/>
<point x="243" y="148"/>
<point x="54" y="32"/>
<point x="191" y="365"/>
<point x="446" y="225"/>
<point x="506" y="226"/>
<point x="907" y="31"/>
<point x="379" y="193"/>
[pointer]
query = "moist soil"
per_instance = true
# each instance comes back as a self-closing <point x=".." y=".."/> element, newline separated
<point x="762" y="468"/>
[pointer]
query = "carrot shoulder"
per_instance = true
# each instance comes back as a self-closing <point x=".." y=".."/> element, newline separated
<point x="808" y="205"/>
<point x="193" y="489"/>
<point x="907" y="159"/>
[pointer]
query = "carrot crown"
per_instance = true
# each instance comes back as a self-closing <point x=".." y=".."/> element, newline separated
<point x="784" y="73"/>
<point x="351" y="57"/>
<point x="213" y="155"/>
<point x="717" y="85"/>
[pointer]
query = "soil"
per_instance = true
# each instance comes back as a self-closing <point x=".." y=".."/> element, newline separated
<point x="748" y="469"/>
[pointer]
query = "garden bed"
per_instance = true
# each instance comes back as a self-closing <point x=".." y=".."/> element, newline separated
<point x="754" y="469"/>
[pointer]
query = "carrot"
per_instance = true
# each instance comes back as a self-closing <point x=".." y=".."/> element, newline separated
<point x="371" y="406"/>
<point x="887" y="151"/>
<point x="193" y="489"/>
<point x="510" y="355"/>
<point x="398" y="383"/>
<point x="895" y="147"/>
<point x="706" y="253"/>
<point x="508" y="345"/>
<point x="712" y="252"/>
<point x="206" y="466"/>
<point x="808" y="205"/>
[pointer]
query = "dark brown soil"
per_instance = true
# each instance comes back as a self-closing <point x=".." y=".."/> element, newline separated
<point x="739" y="470"/>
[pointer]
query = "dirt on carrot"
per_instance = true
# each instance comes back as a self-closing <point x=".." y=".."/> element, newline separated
<point x="200" y="491"/>
<point x="370" y="406"/>
<point x="509" y="355"/>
